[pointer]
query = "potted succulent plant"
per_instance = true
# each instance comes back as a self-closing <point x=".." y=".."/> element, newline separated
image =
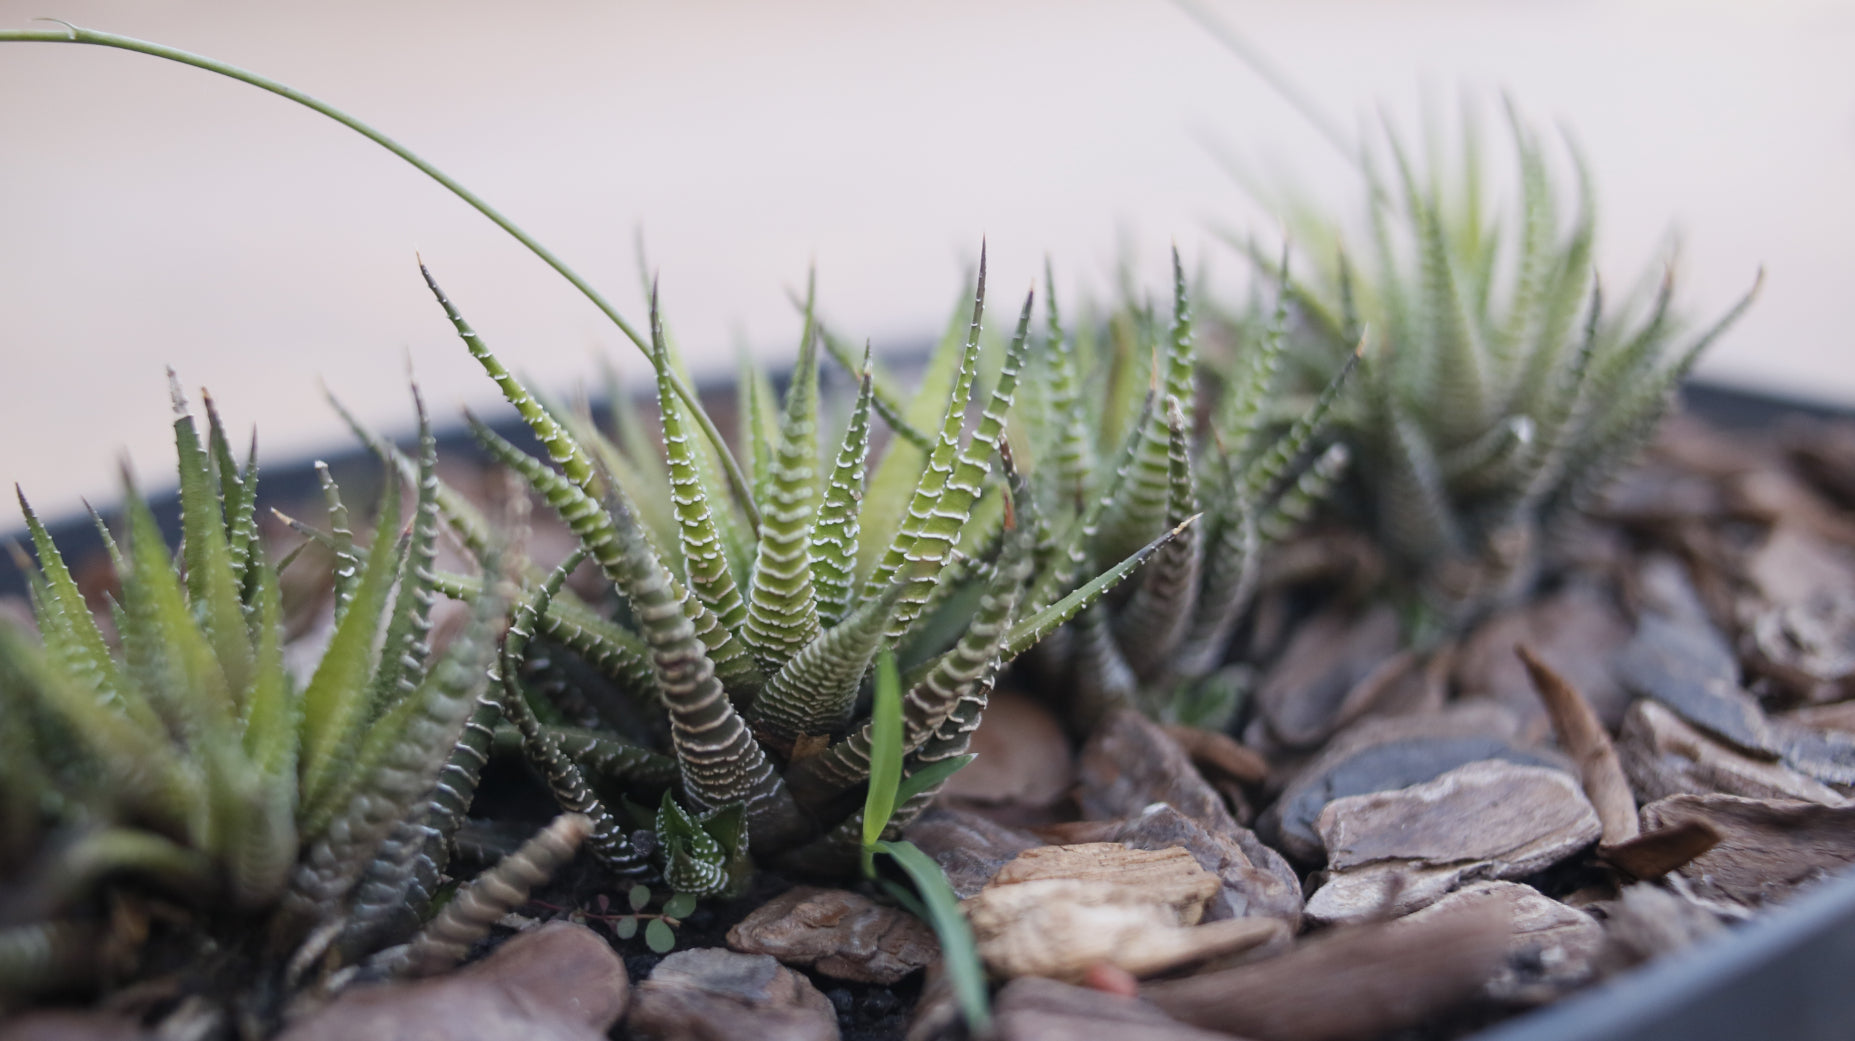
<point x="788" y="651"/>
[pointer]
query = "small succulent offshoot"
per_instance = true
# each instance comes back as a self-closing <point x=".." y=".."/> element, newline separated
<point x="1148" y="452"/>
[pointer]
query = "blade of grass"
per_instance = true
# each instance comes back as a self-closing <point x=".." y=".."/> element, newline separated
<point x="940" y="906"/>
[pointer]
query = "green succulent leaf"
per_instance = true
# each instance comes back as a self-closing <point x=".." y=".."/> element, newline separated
<point x="469" y="916"/>
<point x="336" y="701"/>
<point x="782" y="615"/>
<point x="699" y="524"/>
<point x="834" y="536"/>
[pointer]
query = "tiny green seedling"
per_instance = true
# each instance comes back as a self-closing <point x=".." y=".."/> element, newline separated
<point x="659" y="927"/>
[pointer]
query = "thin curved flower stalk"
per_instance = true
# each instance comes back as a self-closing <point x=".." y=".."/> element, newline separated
<point x="297" y="824"/>
<point x="760" y="660"/>
<point x="1116" y="469"/>
<point x="1500" y="389"/>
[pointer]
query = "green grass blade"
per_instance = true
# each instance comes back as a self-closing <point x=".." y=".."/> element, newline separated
<point x="959" y="953"/>
<point x="885" y="756"/>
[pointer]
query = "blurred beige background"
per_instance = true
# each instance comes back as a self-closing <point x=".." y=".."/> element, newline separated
<point x="152" y="214"/>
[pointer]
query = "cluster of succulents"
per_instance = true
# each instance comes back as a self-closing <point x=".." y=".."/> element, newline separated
<point x="172" y="759"/>
<point x="758" y="640"/>
<point x="1499" y="389"/>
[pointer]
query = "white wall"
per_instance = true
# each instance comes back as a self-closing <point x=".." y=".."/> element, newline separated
<point x="151" y="214"/>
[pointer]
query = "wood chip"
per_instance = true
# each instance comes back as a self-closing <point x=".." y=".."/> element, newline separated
<point x="1220" y="754"/>
<point x="1656" y="853"/>
<point x="1393" y="852"/>
<point x="838" y="933"/>
<point x="1023" y="756"/>
<point x="1300" y="701"/>
<point x="1045" y="1010"/>
<point x="1579" y="631"/>
<point x="1663" y="756"/>
<point x="1582" y="736"/>
<point x="1168" y="877"/>
<point x="1366" y="981"/>
<point x="1769" y="848"/>
<point x="1551" y="947"/>
<point x="1059" y="911"/>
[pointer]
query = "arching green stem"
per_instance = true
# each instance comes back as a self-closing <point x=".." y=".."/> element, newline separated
<point x="73" y="34"/>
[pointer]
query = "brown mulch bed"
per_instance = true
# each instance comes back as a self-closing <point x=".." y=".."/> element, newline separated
<point x="1392" y="844"/>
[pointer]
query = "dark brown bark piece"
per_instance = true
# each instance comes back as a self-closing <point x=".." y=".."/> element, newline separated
<point x="839" y="934"/>
<point x="1839" y="716"/>
<point x="77" y="1025"/>
<point x="1579" y="632"/>
<point x="1769" y="848"/>
<point x="1300" y="700"/>
<point x="557" y="982"/>
<point x="1130" y="763"/>
<point x="1824" y="452"/>
<point x="1652" y="855"/>
<point x="714" y="994"/>
<point x="1351" y="983"/>
<point x="1219" y="755"/>
<point x="1022" y="756"/>
<point x="1032" y="1009"/>
<point x="968" y="847"/>
<point x="1664" y="756"/>
<point x="1133" y="773"/>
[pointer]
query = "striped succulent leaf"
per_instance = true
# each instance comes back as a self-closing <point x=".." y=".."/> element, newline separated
<point x="782" y="612"/>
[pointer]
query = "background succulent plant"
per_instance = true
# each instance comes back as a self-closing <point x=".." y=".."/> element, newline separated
<point x="298" y="826"/>
<point x="757" y="641"/>
<point x="1130" y="443"/>
<point x="1499" y="389"/>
